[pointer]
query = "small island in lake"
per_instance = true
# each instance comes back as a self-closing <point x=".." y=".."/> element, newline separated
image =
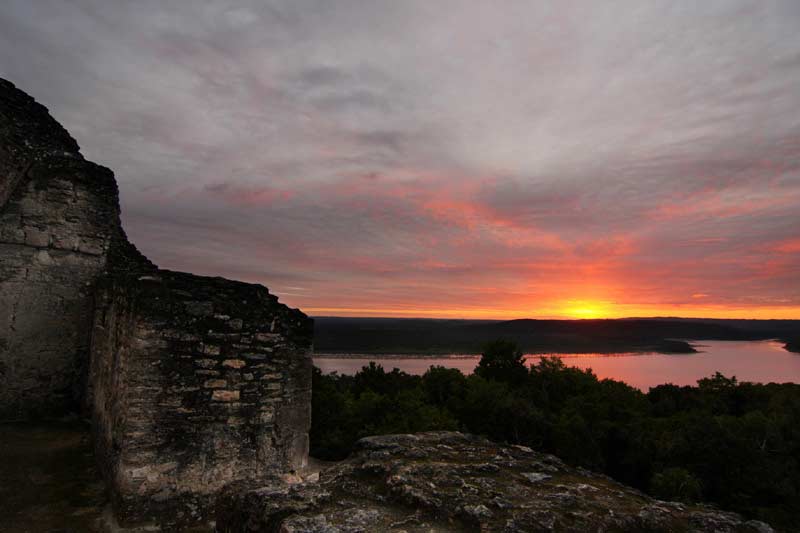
<point x="793" y="345"/>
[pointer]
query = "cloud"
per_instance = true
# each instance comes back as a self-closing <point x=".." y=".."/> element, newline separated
<point x="402" y="157"/>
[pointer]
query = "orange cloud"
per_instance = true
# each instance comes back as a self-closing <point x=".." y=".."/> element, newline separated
<point x="791" y="246"/>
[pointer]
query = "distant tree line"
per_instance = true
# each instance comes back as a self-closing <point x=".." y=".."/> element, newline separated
<point x="732" y="443"/>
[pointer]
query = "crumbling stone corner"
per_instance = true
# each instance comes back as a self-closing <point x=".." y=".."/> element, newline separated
<point x="197" y="382"/>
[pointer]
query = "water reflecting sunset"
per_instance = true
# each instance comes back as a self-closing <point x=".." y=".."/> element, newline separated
<point x="757" y="361"/>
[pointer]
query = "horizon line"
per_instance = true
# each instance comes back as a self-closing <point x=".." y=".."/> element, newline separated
<point x="565" y="319"/>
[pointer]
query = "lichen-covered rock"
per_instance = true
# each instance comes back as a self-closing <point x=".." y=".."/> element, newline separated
<point x="446" y="481"/>
<point x="197" y="382"/>
<point x="59" y="230"/>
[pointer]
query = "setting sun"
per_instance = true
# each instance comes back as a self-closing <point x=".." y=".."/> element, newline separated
<point x="586" y="309"/>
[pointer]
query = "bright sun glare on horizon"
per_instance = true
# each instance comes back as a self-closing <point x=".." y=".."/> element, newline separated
<point x="587" y="309"/>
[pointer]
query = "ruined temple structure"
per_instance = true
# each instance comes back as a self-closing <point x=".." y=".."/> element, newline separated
<point x="191" y="382"/>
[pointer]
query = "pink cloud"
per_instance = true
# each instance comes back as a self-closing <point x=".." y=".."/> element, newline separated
<point x="249" y="196"/>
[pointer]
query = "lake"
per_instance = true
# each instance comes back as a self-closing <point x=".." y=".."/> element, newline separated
<point x="757" y="361"/>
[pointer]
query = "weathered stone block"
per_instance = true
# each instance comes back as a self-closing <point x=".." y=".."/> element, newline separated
<point x="156" y="402"/>
<point x="225" y="395"/>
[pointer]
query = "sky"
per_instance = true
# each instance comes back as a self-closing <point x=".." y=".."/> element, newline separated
<point x="443" y="159"/>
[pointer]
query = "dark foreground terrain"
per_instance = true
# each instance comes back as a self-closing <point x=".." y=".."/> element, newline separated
<point x="48" y="481"/>
<point x="446" y="481"/>
<point x="430" y="336"/>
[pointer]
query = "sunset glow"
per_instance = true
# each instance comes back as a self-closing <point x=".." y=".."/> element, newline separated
<point x="587" y="309"/>
<point x="627" y="311"/>
<point x="606" y="166"/>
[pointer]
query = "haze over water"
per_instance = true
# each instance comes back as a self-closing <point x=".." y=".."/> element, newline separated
<point x="757" y="361"/>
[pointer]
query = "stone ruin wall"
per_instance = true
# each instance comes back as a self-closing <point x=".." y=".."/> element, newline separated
<point x="194" y="382"/>
<point x="59" y="222"/>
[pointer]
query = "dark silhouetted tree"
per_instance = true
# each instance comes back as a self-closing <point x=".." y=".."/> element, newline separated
<point x="502" y="361"/>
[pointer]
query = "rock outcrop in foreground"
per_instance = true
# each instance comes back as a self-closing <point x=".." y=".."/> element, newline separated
<point x="450" y="482"/>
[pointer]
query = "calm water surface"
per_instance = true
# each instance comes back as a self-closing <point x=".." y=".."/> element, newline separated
<point x="758" y="361"/>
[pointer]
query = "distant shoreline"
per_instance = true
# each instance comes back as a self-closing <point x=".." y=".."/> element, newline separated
<point x="329" y="355"/>
<point x="421" y="338"/>
<point x="792" y="347"/>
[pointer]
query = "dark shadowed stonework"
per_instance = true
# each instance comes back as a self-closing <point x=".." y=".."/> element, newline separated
<point x="59" y="229"/>
<point x="192" y="382"/>
<point x="196" y="382"/>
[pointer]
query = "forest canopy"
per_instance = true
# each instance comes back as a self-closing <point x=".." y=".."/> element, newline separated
<point x="730" y="443"/>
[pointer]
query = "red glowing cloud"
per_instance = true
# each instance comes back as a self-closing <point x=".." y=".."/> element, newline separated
<point x="422" y="159"/>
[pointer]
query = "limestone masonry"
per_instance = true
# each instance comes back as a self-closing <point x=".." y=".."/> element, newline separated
<point x="191" y="382"/>
<point x="195" y="382"/>
<point x="59" y="229"/>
